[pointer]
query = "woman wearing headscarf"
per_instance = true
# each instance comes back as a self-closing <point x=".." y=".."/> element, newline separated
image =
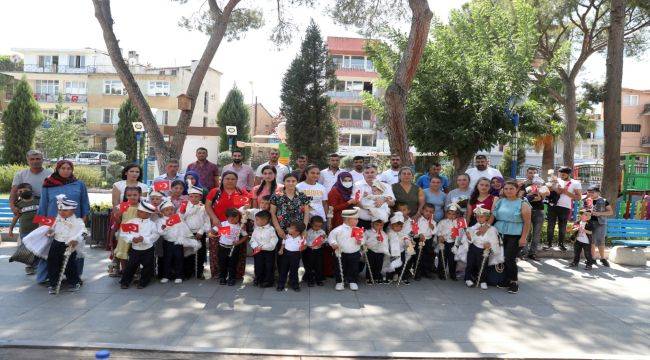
<point x="62" y="182"/>
<point x="192" y="179"/>
<point x="496" y="186"/>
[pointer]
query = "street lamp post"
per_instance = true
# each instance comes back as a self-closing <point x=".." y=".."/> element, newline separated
<point x="514" y="151"/>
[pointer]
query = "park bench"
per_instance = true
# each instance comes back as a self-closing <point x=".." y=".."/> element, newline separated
<point x="6" y="215"/>
<point x="629" y="238"/>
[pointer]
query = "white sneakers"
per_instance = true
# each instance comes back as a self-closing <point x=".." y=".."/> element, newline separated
<point x="469" y="283"/>
<point x="164" y="281"/>
<point x="339" y="287"/>
<point x="178" y="281"/>
<point x="484" y="286"/>
<point x="354" y="286"/>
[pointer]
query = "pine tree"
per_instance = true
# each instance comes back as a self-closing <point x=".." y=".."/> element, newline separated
<point x="310" y="127"/>
<point x="233" y="112"/>
<point x="20" y="120"/>
<point x="124" y="135"/>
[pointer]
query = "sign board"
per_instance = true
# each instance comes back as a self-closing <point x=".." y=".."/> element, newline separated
<point x="138" y="127"/>
<point x="231" y="130"/>
<point x="285" y="154"/>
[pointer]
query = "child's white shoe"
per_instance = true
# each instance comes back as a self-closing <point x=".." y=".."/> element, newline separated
<point x="484" y="286"/>
<point x="178" y="281"/>
<point x="354" y="286"/>
<point x="164" y="281"/>
<point x="339" y="287"/>
<point x="469" y="283"/>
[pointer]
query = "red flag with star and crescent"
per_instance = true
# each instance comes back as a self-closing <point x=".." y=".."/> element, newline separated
<point x="44" y="220"/>
<point x="357" y="234"/>
<point x="129" y="228"/>
<point x="124" y="206"/>
<point x="162" y="185"/>
<point x="173" y="220"/>
<point x="183" y="208"/>
<point x="318" y="241"/>
<point x="415" y="228"/>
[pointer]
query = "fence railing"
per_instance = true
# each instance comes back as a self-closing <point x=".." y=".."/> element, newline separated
<point x="68" y="98"/>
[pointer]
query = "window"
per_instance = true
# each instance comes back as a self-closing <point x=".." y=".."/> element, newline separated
<point x="353" y="85"/>
<point x="355" y="140"/>
<point x="344" y="139"/>
<point x="205" y="121"/>
<point x="50" y="87"/>
<point x="368" y="140"/>
<point x="110" y="116"/>
<point x="79" y="115"/>
<point x="159" y="88"/>
<point x="369" y="65"/>
<point x="48" y="62"/>
<point x="75" y="87"/>
<point x="76" y="61"/>
<point x="344" y="112"/>
<point x="114" y="87"/>
<point x="339" y="86"/>
<point x="355" y="112"/>
<point x="337" y="60"/>
<point x="206" y="101"/>
<point x="357" y="62"/>
<point x="50" y="113"/>
<point x="631" y="127"/>
<point x="162" y="117"/>
<point x="630" y="100"/>
<point x="366" y="114"/>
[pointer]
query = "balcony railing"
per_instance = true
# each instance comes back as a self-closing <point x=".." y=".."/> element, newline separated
<point x="357" y="124"/>
<point x="68" y="98"/>
<point x="645" y="141"/>
<point x="90" y="69"/>
<point x="354" y="67"/>
<point x="344" y="94"/>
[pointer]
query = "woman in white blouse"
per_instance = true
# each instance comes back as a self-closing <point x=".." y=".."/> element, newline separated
<point x="131" y="176"/>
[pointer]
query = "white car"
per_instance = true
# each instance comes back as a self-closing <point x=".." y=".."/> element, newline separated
<point x="88" y="158"/>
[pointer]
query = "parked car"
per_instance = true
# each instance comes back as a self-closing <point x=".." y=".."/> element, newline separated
<point x="88" y="158"/>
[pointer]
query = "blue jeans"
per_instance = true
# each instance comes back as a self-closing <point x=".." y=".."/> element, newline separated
<point x="41" y="271"/>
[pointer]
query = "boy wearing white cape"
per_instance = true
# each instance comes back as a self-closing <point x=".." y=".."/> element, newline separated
<point x="484" y="240"/>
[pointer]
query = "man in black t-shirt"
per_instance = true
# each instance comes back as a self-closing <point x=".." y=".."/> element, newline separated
<point x="534" y="191"/>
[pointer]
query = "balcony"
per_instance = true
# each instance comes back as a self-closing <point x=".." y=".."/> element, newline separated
<point x="357" y="124"/>
<point x="348" y="95"/>
<point x="357" y="67"/>
<point x="90" y="69"/>
<point x="67" y="98"/>
<point x="645" y="141"/>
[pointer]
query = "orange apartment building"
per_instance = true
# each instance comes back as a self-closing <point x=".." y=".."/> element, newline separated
<point x="354" y="73"/>
<point x="635" y="117"/>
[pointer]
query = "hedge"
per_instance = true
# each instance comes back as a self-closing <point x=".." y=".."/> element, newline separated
<point x="90" y="175"/>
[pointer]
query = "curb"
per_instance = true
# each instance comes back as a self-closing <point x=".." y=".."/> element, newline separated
<point x="306" y="354"/>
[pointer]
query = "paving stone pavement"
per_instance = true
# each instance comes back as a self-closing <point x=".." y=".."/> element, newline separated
<point x="557" y="311"/>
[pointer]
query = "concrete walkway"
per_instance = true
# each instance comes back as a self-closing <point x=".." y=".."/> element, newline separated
<point x="559" y="312"/>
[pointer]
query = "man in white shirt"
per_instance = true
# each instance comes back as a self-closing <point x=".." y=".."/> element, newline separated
<point x="282" y="170"/>
<point x="390" y="176"/>
<point x="564" y="191"/>
<point x="357" y="168"/>
<point x="365" y="187"/>
<point x="482" y="169"/>
<point x="329" y="175"/>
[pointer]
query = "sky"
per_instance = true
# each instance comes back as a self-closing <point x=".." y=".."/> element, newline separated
<point x="253" y="63"/>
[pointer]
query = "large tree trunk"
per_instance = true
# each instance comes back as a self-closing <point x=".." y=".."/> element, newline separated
<point x="397" y="91"/>
<point x="571" y="118"/>
<point x="163" y="151"/>
<point x="460" y="162"/>
<point x="612" y="102"/>
<point x="548" y="156"/>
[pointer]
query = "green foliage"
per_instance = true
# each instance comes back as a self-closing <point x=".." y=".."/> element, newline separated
<point x="7" y="173"/>
<point x="7" y="65"/>
<point x="20" y="120"/>
<point x="124" y="135"/>
<point x="117" y="160"/>
<point x="310" y="127"/>
<point x="90" y="175"/>
<point x="506" y="161"/>
<point x="102" y="207"/>
<point x="233" y="112"/>
<point x="224" y="157"/>
<point x="468" y="71"/>
<point x="63" y="135"/>
<point x="346" y="162"/>
<point x="116" y="156"/>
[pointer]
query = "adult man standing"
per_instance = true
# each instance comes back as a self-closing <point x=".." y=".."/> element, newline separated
<point x="208" y="171"/>
<point x="245" y="173"/>
<point x="301" y="166"/>
<point x="482" y="169"/>
<point x="364" y="187"/>
<point x="357" y="168"/>
<point x="535" y="193"/>
<point x="281" y="170"/>
<point x="434" y="170"/>
<point x="390" y="176"/>
<point x="563" y="192"/>
<point x="329" y="175"/>
<point x="33" y="176"/>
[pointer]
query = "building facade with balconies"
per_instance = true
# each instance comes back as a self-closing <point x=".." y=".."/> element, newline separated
<point x="88" y="84"/>
<point x="635" y="121"/>
<point x="357" y="125"/>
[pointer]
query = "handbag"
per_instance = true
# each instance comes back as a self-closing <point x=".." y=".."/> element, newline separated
<point x="495" y="275"/>
<point x="23" y="255"/>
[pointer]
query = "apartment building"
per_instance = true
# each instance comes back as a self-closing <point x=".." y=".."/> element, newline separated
<point x="354" y="73"/>
<point x="635" y="117"/>
<point x="88" y="84"/>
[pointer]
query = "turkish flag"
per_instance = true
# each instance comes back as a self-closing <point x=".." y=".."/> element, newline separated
<point x="124" y="206"/>
<point x="461" y="223"/>
<point x="162" y="185"/>
<point x="357" y="234"/>
<point x="128" y="228"/>
<point x="43" y="220"/>
<point x="224" y="231"/>
<point x="455" y="232"/>
<point x="318" y="241"/>
<point x="240" y="200"/>
<point x="357" y="195"/>
<point x="173" y="220"/>
<point x="257" y="250"/>
<point x="183" y="207"/>
<point x="250" y="195"/>
<point x="303" y="244"/>
<point x="415" y="228"/>
<point x="380" y="237"/>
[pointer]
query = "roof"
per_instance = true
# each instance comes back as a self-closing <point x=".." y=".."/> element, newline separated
<point x="252" y="107"/>
<point x="635" y="90"/>
<point x="346" y="45"/>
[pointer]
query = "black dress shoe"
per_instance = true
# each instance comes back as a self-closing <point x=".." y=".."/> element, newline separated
<point x="279" y="288"/>
<point x="319" y="283"/>
<point x="296" y="289"/>
<point x="310" y="284"/>
<point x="222" y="282"/>
<point x="562" y="247"/>
<point x="231" y="282"/>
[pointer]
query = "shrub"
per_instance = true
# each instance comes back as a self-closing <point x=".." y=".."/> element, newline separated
<point x="346" y="162"/>
<point x="7" y="173"/>
<point x="224" y="157"/>
<point x="116" y="156"/>
<point x="90" y="175"/>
